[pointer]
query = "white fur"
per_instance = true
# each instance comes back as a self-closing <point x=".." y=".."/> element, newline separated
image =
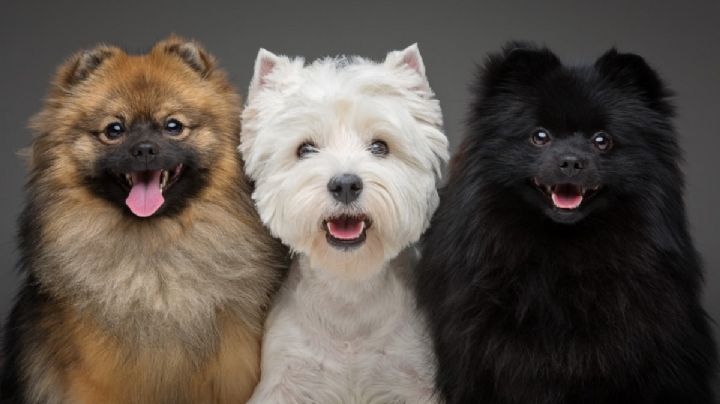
<point x="344" y="329"/>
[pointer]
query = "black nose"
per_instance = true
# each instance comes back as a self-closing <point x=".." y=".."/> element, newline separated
<point x="570" y="165"/>
<point x="345" y="188"/>
<point x="145" y="151"/>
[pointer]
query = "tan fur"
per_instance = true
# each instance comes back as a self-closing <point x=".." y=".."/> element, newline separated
<point x="104" y="372"/>
<point x="167" y="310"/>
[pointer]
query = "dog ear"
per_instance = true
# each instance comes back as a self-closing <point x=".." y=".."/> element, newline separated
<point x="631" y="72"/>
<point x="265" y="63"/>
<point x="190" y="52"/>
<point x="84" y="63"/>
<point x="519" y="62"/>
<point x="408" y="57"/>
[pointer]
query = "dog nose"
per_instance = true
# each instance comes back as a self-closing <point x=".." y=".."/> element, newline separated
<point x="571" y="165"/>
<point x="345" y="188"/>
<point x="145" y="151"/>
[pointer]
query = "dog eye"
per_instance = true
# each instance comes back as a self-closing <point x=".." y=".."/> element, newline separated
<point x="305" y="149"/>
<point x="540" y="137"/>
<point x="173" y="127"/>
<point x="602" y="141"/>
<point x="379" y="148"/>
<point x="114" y="131"/>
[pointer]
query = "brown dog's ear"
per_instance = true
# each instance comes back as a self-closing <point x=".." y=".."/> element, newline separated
<point x="84" y="63"/>
<point x="189" y="52"/>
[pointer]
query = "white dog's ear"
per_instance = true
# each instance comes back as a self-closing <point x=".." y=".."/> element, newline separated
<point x="265" y="63"/>
<point x="408" y="57"/>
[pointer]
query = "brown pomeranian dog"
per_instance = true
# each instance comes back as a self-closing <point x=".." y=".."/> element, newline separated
<point x="148" y="272"/>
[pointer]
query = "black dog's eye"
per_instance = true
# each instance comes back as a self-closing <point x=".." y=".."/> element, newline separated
<point x="173" y="127"/>
<point x="602" y="141"/>
<point x="305" y="149"/>
<point x="540" y="137"/>
<point x="379" y="148"/>
<point x="114" y="131"/>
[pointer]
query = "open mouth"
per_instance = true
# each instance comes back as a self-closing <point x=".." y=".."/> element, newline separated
<point x="566" y="196"/>
<point x="147" y="188"/>
<point x="346" y="231"/>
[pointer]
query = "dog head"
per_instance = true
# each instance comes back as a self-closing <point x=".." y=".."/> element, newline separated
<point x="346" y="154"/>
<point x="571" y="140"/>
<point x="143" y="134"/>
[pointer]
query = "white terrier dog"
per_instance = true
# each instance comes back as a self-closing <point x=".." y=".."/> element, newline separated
<point x="346" y="154"/>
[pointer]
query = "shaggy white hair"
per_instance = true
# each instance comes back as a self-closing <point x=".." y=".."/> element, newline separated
<point x="344" y="328"/>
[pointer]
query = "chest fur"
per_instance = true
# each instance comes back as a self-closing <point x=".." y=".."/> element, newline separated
<point x="101" y="368"/>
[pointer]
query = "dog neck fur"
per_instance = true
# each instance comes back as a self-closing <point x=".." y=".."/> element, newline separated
<point x="351" y="309"/>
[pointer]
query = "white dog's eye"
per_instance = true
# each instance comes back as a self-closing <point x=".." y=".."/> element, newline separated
<point x="305" y="149"/>
<point x="379" y="148"/>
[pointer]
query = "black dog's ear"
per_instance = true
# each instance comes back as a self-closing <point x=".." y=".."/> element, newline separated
<point x="517" y="63"/>
<point x="83" y="64"/>
<point x="526" y="59"/>
<point x="189" y="52"/>
<point x="630" y="72"/>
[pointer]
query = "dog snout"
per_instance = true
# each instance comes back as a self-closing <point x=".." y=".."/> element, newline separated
<point x="571" y="165"/>
<point x="345" y="188"/>
<point x="145" y="151"/>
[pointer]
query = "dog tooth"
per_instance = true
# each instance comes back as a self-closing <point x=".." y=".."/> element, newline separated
<point x="163" y="179"/>
<point x="128" y="178"/>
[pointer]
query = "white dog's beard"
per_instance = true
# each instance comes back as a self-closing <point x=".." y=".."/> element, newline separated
<point x="359" y="261"/>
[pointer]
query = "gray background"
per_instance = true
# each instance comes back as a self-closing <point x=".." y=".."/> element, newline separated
<point x="681" y="39"/>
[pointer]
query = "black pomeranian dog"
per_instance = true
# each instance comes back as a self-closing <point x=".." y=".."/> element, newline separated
<point x="559" y="268"/>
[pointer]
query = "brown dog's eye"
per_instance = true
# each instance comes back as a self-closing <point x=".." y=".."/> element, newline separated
<point x="602" y="141"/>
<point x="379" y="148"/>
<point x="173" y="127"/>
<point x="114" y="131"/>
<point x="540" y="137"/>
<point x="306" y="148"/>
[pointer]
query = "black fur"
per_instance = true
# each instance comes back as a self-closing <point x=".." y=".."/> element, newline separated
<point x="22" y="327"/>
<point x="30" y="304"/>
<point x="526" y="307"/>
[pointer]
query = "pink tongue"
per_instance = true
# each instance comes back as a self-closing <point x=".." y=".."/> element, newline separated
<point x="346" y="229"/>
<point x="145" y="197"/>
<point x="566" y="200"/>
